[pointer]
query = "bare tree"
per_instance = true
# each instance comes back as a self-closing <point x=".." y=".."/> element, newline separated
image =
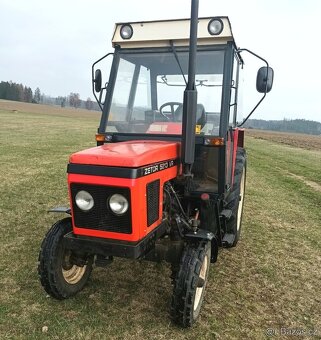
<point x="89" y="104"/>
<point x="74" y="100"/>
<point x="37" y="95"/>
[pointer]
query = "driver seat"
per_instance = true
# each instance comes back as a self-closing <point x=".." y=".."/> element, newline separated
<point x="200" y="114"/>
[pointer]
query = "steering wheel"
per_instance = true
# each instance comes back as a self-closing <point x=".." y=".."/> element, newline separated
<point x="172" y="109"/>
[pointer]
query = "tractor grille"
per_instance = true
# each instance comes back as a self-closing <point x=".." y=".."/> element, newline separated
<point x="100" y="217"/>
<point x="152" y="189"/>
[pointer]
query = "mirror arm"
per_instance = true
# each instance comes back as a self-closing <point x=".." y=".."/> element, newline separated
<point x="255" y="55"/>
<point x="255" y="107"/>
<point x="93" y="79"/>
<point x="260" y="101"/>
<point x="99" y="101"/>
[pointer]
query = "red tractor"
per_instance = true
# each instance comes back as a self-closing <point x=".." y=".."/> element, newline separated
<point x="166" y="180"/>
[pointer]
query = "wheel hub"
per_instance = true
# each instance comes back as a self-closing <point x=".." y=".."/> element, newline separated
<point x="70" y="271"/>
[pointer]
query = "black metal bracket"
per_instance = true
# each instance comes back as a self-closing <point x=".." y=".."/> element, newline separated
<point x="65" y="210"/>
<point x="93" y="77"/>
<point x="200" y="234"/>
<point x="264" y="95"/>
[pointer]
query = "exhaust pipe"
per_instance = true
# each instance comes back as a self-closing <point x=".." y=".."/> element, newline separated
<point x="190" y="98"/>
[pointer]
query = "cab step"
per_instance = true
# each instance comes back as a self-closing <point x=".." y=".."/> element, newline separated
<point x="226" y="214"/>
<point x="228" y="240"/>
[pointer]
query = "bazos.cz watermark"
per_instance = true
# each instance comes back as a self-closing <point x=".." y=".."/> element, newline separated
<point x="287" y="331"/>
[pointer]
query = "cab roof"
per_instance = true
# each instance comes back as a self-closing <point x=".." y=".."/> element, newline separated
<point x="160" y="33"/>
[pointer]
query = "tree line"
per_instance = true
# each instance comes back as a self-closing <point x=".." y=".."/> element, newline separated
<point x="18" y="92"/>
<point x="286" y="125"/>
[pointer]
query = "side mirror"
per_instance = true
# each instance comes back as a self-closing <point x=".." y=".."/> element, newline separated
<point x="97" y="80"/>
<point x="264" y="79"/>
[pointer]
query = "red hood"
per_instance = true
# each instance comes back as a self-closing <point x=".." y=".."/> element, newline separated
<point x="128" y="154"/>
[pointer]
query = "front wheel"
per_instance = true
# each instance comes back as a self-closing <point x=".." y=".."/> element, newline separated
<point x="190" y="283"/>
<point x="62" y="273"/>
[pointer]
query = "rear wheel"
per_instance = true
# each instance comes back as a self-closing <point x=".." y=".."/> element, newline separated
<point x="62" y="273"/>
<point x="190" y="283"/>
<point x="236" y="198"/>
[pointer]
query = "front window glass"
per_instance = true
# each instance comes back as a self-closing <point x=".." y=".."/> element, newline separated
<point x="149" y="88"/>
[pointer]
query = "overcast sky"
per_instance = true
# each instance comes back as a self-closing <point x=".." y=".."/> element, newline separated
<point x="52" y="44"/>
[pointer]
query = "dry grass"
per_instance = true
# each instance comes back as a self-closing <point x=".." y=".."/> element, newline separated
<point x="271" y="279"/>
<point x="308" y="142"/>
<point x="16" y="107"/>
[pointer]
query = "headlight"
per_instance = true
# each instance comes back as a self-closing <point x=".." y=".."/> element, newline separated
<point x="84" y="200"/>
<point x="215" y="26"/>
<point x="126" y="31"/>
<point x="118" y="204"/>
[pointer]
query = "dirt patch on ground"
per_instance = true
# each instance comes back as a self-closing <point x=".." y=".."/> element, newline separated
<point x="310" y="184"/>
<point x="16" y="107"/>
<point x="309" y="142"/>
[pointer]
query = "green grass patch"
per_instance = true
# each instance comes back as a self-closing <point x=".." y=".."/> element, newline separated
<point x="271" y="279"/>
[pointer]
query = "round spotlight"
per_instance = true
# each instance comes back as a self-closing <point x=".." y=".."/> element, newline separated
<point x="126" y="31"/>
<point x="84" y="200"/>
<point x="215" y="26"/>
<point x="118" y="204"/>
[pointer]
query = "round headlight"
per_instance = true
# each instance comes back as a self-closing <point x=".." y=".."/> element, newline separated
<point x="118" y="204"/>
<point x="126" y="31"/>
<point x="84" y="200"/>
<point x="215" y="26"/>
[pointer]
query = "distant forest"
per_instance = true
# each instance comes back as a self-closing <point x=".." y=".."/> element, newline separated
<point x="286" y="125"/>
<point x="18" y="92"/>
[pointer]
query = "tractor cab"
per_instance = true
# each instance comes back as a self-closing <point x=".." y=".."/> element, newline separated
<point x="166" y="181"/>
<point x="145" y="90"/>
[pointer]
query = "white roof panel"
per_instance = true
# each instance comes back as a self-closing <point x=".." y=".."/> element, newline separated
<point x="159" y="33"/>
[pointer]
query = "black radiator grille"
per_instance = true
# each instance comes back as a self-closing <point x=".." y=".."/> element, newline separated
<point x="100" y="217"/>
<point x="152" y="189"/>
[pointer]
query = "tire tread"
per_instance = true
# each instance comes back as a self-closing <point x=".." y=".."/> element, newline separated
<point x="185" y="283"/>
<point x="48" y="259"/>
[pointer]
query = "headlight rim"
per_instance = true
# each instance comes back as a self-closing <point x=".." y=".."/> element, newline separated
<point x="131" y="31"/>
<point x="126" y="206"/>
<point x="209" y="24"/>
<point x="92" y="200"/>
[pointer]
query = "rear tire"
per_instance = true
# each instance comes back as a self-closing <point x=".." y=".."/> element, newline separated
<point x="59" y="274"/>
<point x="190" y="283"/>
<point x="236" y="197"/>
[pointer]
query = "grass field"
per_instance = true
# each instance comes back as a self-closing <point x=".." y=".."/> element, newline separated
<point x="309" y="142"/>
<point x="272" y="279"/>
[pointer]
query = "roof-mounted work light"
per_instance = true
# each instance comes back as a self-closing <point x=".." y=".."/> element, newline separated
<point x="215" y="26"/>
<point x="126" y="31"/>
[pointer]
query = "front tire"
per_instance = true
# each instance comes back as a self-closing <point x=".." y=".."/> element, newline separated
<point x="62" y="273"/>
<point x="190" y="283"/>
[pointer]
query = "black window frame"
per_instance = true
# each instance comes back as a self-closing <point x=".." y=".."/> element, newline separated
<point x="229" y="51"/>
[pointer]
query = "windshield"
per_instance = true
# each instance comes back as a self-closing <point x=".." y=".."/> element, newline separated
<point x="149" y="88"/>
